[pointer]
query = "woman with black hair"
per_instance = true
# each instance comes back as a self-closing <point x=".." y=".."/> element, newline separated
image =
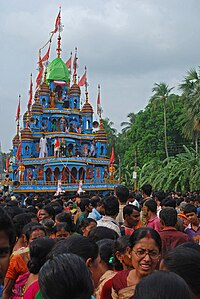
<point x="106" y="257"/>
<point x="19" y="260"/>
<point x="86" y="225"/>
<point x="62" y="230"/>
<point x="66" y="217"/>
<point x="121" y="261"/>
<point x="145" y="250"/>
<point x="7" y="241"/>
<point x="19" y="222"/>
<point x="65" y="276"/>
<point x="39" y="249"/>
<point x="101" y="232"/>
<point x="184" y="260"/>
<point x="86" y="249"/>
<point x="162" y="285"/>
<point x="47" y="212"/>
<point x="121" y="250"/>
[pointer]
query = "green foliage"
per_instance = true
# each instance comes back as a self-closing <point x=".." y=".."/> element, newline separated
<point x="159" y="141"/>
<point x="191" y="97"/>
<point x="179" y="173"/>
<point x="111" y="134"/>
<point x="128" y="124"/>
<point x="146" y="134"/>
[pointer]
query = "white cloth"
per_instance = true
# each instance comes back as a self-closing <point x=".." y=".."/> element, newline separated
<point x="109" y="222"/>
<point x="43" y="147"/>
<point x="158" y="210"/>
<point x="93" y="150"/>
<point x="134" y="203"/>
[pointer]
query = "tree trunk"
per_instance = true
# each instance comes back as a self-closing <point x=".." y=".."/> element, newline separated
<point x="196" y="144"/>
<point x="165" y="128"/>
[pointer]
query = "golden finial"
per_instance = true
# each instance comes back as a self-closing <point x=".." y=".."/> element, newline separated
<point x="101" y="124"/>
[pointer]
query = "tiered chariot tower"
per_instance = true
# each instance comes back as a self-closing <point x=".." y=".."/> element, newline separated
<point x="58" y="142"/>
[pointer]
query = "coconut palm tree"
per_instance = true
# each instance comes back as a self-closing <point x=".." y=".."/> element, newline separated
<point x="161" y="93"/>
<point x="191" y="96"/>
<point x="128" y="124"/>
<point x="179" y="173"/>
<point x="111" y="133"/>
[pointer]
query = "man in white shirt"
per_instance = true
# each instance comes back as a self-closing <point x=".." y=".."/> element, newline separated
<point x="111" y="207"/>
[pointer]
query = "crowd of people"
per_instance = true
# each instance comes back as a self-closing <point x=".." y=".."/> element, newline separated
<point x="141" y="245"/>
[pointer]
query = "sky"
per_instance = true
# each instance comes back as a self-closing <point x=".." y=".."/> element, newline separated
<point x="127" y="46"/>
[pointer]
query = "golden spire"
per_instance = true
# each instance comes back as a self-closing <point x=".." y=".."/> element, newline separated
<point x="99" y="109"/>
<point x="45" y="74"/>
<point x="101" y="124"/>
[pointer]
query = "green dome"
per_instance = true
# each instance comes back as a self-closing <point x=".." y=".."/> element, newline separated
<point x="57" y="70"/>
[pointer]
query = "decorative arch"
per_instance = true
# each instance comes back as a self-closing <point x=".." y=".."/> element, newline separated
<point x="81" y="174"/>
<point x="98" y="173"/>
<point x="89" y="173"/>
<point x="56" y="174"/>
<point x="54" y="125"/>
<point x="101" y="150"/>
<point x="48" y="174"/>
<point x="36" y="122"/>
<point x="58" y="91"/>
<point x="65" y="175"/>
<point x="40" y="173"/>
<point x="27" y="149"/>
<point x="65" y="102"/>
<point x="73" y="175"/>
<point x="87" y="124"/>
<point x="75" y="103"/>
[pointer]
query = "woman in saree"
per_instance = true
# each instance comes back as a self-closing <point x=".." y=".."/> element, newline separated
<point x="17" y="271"/>
<point x="145" y="249"/>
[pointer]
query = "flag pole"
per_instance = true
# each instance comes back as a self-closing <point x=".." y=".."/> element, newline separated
<point x="59" y="37"/>
<point x="19" y="112"/>
<point x="30" y="95"/>
<point x="70" y="70"/>
<point x="75" y="66"/>
<point x="86" y="86"/>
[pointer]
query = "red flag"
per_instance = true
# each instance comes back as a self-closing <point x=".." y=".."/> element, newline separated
<point x="69" y="62"/>
<point x="19" y="151"/>
<point x="112" y="157"/>
<point x="40" y="63"/>
<point x="57" y="23"/>
<point x="30" y="93"/>
<point x="46" y="56"/>
<point x="7" y="163"/>
<point x="18" y="111"/>
<point x="82" y="81"/>
<point x="99" y="102"/>
<point x="39" y="77"/>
